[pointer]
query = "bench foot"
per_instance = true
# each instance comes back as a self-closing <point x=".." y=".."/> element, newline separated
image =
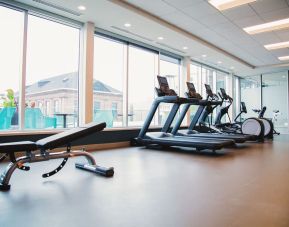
<point x="5" y="187"/>
<point x="107" y="172"/>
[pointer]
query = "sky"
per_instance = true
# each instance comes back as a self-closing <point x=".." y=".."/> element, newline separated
<point x="52" y="49"/>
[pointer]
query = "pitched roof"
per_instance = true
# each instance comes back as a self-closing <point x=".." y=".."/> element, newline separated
<point x="67" y="81"/>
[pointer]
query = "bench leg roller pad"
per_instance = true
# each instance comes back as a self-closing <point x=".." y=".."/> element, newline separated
<point x="107" y="172"/>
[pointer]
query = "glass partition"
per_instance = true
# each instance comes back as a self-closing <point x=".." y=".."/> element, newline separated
<point x="251" y="94"/>
<point x="275" y="98"/>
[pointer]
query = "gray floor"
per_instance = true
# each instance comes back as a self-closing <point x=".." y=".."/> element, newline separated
<point x="242" y="187"/>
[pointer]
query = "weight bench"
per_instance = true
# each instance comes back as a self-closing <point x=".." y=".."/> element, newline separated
<point x="40" y="151"/>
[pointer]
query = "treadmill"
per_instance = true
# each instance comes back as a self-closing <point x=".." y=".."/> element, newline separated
<point x="201" y="114"/>
<point x="164" y="138"/>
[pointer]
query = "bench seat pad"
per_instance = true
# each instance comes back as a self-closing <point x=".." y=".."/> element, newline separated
<point x="17" y="146"/>
<point x="64" y="138"/>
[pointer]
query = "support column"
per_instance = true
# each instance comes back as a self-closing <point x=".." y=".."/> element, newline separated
<point x="21" y="101"/>
<point x="86" y="74"/>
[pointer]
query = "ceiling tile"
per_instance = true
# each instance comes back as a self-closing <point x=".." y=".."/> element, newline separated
<point x="157" y="7"/>
<point x="201" y="9"/>
<point x="280" y="52"/>
<point x="182" y="3"/>
<point x="248" y="21"/>
<point x="183" y="21"/>
<point x="265" y="6"/>
<point x="266" y="38"/>
<point x="238" y="13"/>
<point x="212" y="19"/>
<point x="275" y="15"/>
<point x="283" y="34"/>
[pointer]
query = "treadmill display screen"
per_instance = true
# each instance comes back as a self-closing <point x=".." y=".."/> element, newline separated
<point x="209" y="90"/>
<point x="164" y="85"/>
<point x="224" y="94"/>
<point x="243" y="107"/>
<point x="191" y="87"/>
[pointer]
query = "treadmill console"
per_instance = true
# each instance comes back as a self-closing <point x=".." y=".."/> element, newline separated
<point x="243" y="107"/>
<point x="224" y="94"/>
<point x="209" y="90"/>
<point x="164" y="89"/>
<point x="211" y="95"/>
<point x="192" y="91"/>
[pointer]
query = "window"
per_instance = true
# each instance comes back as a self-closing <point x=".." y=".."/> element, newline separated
<point x="170" y="68"/>
<point x="143" y="68"/>
<point x="11" y="40"/>
<point x="52" y="72"/>
<point x="196" y="76"/>
<point x="108" y="80"/>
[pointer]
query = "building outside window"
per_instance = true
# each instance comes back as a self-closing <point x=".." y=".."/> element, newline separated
<point x="52" y="73"/>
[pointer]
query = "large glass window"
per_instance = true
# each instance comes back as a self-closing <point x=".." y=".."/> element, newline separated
<point x="196" y="76"/>
<point x="251" y="93"/>
<point x="11" y="40"/>
<point x="52" y="74"/>
<point x="143" y="68"/>
<point x="108" y="81"/>
<point x="170" y="68"/>
<point x="275" y="98"/>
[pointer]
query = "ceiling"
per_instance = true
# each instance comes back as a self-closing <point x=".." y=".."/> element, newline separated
<point x="194" y="24"/>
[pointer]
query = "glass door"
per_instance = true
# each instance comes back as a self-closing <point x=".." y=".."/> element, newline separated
<point x="275" y="98"/>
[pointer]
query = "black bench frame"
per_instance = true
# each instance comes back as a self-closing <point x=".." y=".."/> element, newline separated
<point x="40" y="151"/>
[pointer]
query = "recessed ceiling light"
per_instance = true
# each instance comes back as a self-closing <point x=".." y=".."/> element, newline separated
<point x="160" y="38"/>
<point x="127" y="25"/>
<point x="204" y="55"/>
<point x="283" y="58"/>
<point x="275" y="46"/>
<point x="81" y="7"/>
<point x="271" y="26"/>
<point x="228" y="4"/>
<point x="283" y="76"/>
<point x="185" y="48"/>
<point x="232" y="67"/>
<point x="219" y="62"/>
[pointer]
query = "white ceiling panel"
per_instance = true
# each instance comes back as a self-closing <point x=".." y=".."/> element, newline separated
<point x="283" y="35"/>
<point x="157" y="7"/>
<point x="182" y="3"/>
<point x="212" y="19"/>
<point x="183" y="21"/>
<point x="248" y="21"/>
<point x="266" y="38"/>
<point x="280" y="52"/>
<point x="238" y="13"/>
<point x="198" y="10"/>
<point x="266" y="6"/>
<point x="275" y="15"/>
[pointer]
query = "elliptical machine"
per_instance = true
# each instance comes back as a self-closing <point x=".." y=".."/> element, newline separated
<point x="269" y="126"/>
<point x="250" y="126"/>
